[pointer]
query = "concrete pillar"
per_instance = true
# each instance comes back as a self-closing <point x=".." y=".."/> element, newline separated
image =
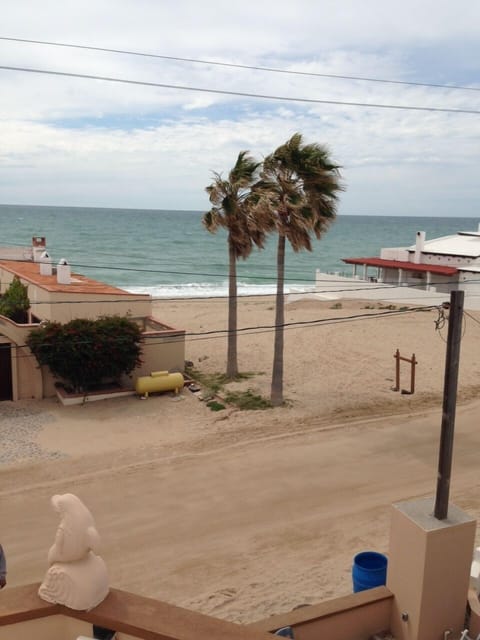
<point x="429" y="570"/>
<point x="400" y="276"/>
<point x="365" y="267"/>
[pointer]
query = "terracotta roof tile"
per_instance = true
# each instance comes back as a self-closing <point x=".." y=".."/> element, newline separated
<point x="30" y="272"/>
<point x="406" y="266"/>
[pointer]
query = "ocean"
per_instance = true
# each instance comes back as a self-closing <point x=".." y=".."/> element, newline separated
<point x="169" y="254"/>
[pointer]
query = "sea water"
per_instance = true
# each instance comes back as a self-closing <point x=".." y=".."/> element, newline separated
<point x="169" y="254"/>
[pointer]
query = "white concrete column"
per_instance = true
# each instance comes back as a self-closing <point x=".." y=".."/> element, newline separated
<point x="400" y="276"/>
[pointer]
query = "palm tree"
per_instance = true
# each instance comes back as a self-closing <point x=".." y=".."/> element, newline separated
<point x="299" y="186"/>
<point x="232" y="209"/>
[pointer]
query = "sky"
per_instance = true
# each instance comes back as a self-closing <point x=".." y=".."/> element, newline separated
<point x="70" y="141"/>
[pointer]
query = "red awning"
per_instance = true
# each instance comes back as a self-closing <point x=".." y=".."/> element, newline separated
<point x="400" y="264"/>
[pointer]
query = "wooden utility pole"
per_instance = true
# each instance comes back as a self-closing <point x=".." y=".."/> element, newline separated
<point x="449" y="404"/>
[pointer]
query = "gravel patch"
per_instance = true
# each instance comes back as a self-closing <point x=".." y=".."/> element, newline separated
<point x="19" y="427"/>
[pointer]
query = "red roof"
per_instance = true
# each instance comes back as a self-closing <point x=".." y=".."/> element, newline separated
<point x="400" y="264"/>
<point x="30" y="271"/>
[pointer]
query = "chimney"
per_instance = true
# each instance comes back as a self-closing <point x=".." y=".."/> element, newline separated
<point x="64" y="272"/>
<point x="419" y="246"/>
<point x="39" y="245"/>
<point x="45" y="264"/>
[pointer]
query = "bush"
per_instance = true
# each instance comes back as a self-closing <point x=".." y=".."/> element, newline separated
<point x="247" y="400"/>
<point x="85" y="353"/>
<point x="14" y="303"/>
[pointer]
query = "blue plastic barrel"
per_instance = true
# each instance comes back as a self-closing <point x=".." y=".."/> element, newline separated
<point x="369" y="570"/>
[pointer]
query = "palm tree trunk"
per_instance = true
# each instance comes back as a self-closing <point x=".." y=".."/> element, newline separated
<point x="232" y="362"/>
<point x="276" y="396"/>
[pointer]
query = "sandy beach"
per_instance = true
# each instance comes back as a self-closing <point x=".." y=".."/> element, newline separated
<point x="246" y="514"/>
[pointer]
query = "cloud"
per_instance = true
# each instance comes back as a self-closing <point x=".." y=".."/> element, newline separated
<point x="91" y="142"/>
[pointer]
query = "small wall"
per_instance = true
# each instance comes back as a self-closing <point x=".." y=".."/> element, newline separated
<point x="69" y="399"/>
<point x="162" y="351"/>
<point x="394" y="253"/>
<point x="474" y="604"/>
<point x="26" y="375"/>
<point x="51" y="628"/>
<point x="354" y="617"/>
<point x="63" y="307"/>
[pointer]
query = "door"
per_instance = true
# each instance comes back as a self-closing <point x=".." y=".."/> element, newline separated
<point x="5" y="372"/>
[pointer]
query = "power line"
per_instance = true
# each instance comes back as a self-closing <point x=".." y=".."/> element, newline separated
<point x="241" y="66"/>
<point x="159" y="271"/>
<point x="212" y="275"/>
<point x="385" y="287"/>
<point x="471" y="317"/>
<point x="239" y="93"/>
<point x="254" y="329"/>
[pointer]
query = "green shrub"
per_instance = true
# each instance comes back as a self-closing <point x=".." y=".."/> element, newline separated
<point x="14" y="303"/>
<point x="215" y="406"/>
<point x="84" y="353"/>
<point x="247" y="400"/>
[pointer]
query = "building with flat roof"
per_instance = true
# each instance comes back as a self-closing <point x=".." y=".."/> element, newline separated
<point x="58" y="295"/>
<point x="425" y="272"/>
<point x="438" y="265"/>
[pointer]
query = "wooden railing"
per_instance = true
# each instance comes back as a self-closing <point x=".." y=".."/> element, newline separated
<point x="359" y="615"/>
<point x="125" y="612"/>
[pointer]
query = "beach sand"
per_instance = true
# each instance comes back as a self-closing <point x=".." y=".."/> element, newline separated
<point x="247" y="514"/>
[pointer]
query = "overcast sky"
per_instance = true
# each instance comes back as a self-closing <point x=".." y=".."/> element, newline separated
<point x="81" y="142"/>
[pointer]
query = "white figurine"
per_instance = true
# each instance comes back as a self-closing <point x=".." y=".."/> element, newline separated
<point x="77" y="577"/>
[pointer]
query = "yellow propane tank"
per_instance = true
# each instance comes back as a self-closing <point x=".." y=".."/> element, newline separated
<point x="159" y="381"/>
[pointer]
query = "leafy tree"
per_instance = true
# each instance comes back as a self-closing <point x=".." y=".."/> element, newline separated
<point x="232" y="210"/>
<point x="85" y="353"/>
<point x="299" y="188"/>
<point x="14" y="303"/>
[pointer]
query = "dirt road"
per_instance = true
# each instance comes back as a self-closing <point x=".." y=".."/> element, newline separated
<point x="235" y="520"/>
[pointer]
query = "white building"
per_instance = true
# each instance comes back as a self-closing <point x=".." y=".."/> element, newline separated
<point x="427" y="270"/>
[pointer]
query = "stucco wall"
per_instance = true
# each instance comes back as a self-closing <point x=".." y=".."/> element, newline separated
<point x="26" y="375"/>
<point x="63" y="307"/>
<point x="159" y="353"/>
<point x="356" y="616"/>
<point x="51" y="628"/>
<point x="162" y="352"/>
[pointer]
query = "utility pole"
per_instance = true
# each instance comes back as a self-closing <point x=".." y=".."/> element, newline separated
<point x="449" y="404"/>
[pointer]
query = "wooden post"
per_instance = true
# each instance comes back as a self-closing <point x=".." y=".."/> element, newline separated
<point x="412" y="374"/>
<point x="412" y="361"/>
<point x="397" y="370"/>
<point x="449" y="404"/>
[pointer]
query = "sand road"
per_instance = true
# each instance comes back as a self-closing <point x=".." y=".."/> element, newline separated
<point x="233" y="521"/>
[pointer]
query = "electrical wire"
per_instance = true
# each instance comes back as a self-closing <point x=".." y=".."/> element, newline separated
<point x="252" y="330"/>
<point x="471" y="317"/>
<point x="241" y="66"/>
<point x="207" y="275"/>
<point x="242" y="94"/>
<point x="386" y="298"/>
<point x="252" y="295"/>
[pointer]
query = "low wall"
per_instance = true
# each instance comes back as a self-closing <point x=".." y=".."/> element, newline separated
<point x="474" y="605"/>
<point x="356" y="616"/>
